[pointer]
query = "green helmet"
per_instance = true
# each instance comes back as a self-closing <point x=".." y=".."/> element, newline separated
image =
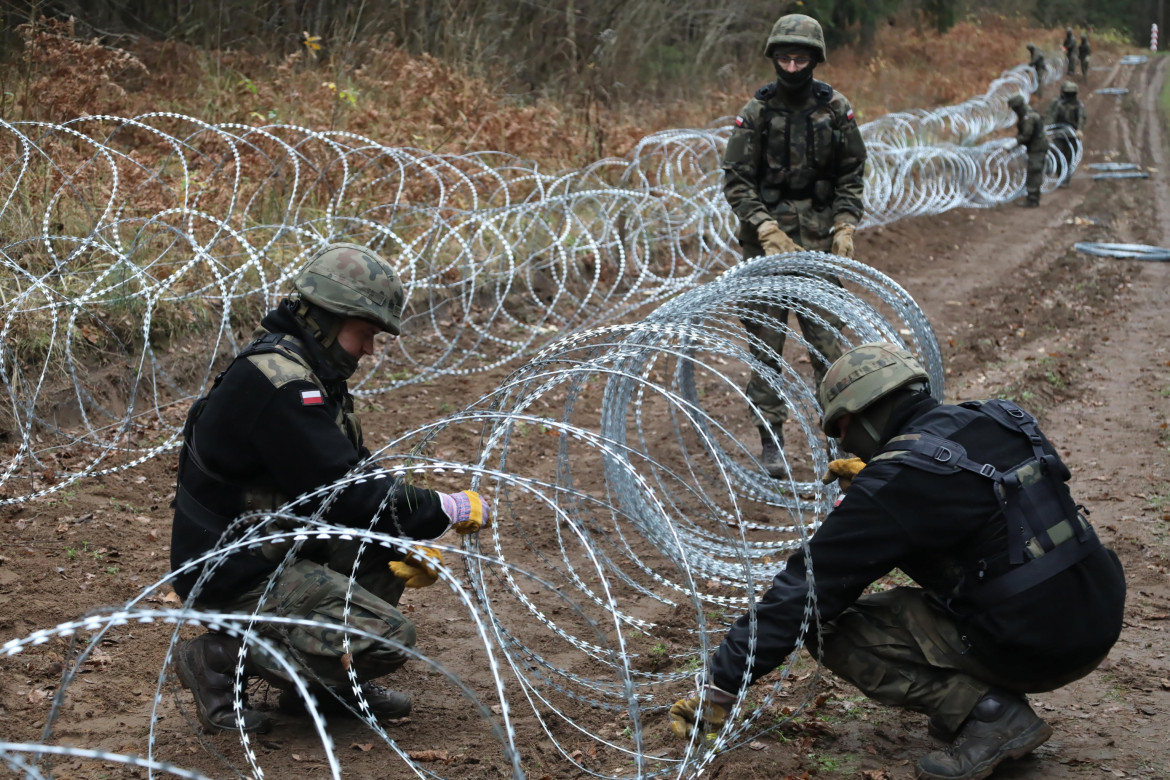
<point x="1069" y="88"/>
<point x="1031" y="47"/>
<point x="797" y="30"/>
<point x="1015" y="101"/>
<point x="863" y="376"/>
<point x="351" y="280"/>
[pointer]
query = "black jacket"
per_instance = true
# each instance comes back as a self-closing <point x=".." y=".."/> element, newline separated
<point x="936" y="528"/>
<point x="282" y="440"/>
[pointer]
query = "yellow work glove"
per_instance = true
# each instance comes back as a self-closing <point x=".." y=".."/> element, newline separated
<point x="467" y="511"/>
<point x="774" y="240"/>
<point x="843" y="470"/>
<point x="419" y="568"/>
<point x="843" y="239"/>
<point x="1080" y="134"/>
<point x="685" y="714"/>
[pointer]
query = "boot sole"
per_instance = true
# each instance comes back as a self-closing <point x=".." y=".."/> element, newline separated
<point x="1015" y="748"/>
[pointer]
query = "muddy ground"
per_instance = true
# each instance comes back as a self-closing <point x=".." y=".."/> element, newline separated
<point x="1084" y="342"/>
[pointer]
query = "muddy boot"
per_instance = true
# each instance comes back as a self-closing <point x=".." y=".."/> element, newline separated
<point x="206" y="666"/>
<point x="382" y="702"/>
<point x="770" y="450"/>
<point x="1001" y="726"/>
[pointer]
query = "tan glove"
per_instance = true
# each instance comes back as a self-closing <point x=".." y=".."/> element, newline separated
<point x="843" y="470"/>
<point x="467" y="511"/>
<point x="774" y="240"/>
<point x="419" y="568"/>
<point x="1080" y="134"/>
<point x="685" y="716"/>
<point x="843" y="239"/>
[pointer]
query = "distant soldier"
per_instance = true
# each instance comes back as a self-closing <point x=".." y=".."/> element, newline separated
<point x="1085" y="51"/>
<point x="1030" y="134"/>
<point x="1037" y="63"/>
<point x="1067" y="112"/>
<point x="793" y="175"/>
<point x="1070" y="51"/>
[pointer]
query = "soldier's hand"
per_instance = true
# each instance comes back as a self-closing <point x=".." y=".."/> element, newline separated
<point x="843" y="470"/>
<point x="774" y="240"/>
<point x="468" y="511"/>
<point x="686" y="714"/>
<point x="419" y="567"/>
<point x="1080" y="134"/>
<point x="843" y="239"/>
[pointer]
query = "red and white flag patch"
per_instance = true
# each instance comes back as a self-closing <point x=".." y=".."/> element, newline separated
<point x="311" y="398"/>
<point x="739" y="121"/>
<point x="850" y="114"/>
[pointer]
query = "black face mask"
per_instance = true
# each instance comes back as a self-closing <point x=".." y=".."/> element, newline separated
<point x="793" y="81"/>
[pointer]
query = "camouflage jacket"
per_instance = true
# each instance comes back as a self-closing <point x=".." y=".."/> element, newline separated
<point x="275" y="425"/>
<point x="800" y="161"/>
<point x="1084" y="50"/>
<point x="1038" y="63"/>
<point x="1066" y="112"/>
<point x="1070" y="46"/>
<point x="1030" y="132"/>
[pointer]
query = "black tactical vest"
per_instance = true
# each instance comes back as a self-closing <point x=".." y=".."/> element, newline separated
<point x="1047" y="532"/>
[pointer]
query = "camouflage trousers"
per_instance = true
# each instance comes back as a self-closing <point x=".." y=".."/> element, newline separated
<point x="900" y="649"/>
<point x="823" y="345"/>
<point x="1035" y="175"/>
<point x="315" y="589"/>
<point x="1084" y="67"/>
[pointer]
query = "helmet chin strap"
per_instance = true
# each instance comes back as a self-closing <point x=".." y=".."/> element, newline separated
<point x="324" y="326"/>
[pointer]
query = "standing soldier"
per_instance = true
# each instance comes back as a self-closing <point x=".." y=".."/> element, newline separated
<point x="1037" y="63"/>
<point x="793" y="175"/>
<point x="1030" y="134"/>
<point x="276" y="424"/>
<point x="1067" y="112"/>
<point x="1070" y="51"/>
<point x="1085" y="51"/>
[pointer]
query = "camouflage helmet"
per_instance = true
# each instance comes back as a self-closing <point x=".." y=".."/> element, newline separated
<point x="863" y="376"/>
<point x="1031" y="47"/>
<point x="351" y="280"/>
<point x="1069" y="88"/>
<point x="1015" y="101"/>
<point x="797" y="30"/>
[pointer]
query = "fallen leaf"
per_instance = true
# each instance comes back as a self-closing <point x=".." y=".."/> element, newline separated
<point x="757" y="746"/>
<point x="346" y="660"/>
<point x="365" y="747"/>
<point x="429" y="755"/>
<point x="297" y="757"/>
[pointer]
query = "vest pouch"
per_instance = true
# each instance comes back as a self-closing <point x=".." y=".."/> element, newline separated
<point x="821" y="139"/>
<point x="822" y="194"/>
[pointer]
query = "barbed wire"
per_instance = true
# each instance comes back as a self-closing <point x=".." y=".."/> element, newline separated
<point x="613" y="565"/>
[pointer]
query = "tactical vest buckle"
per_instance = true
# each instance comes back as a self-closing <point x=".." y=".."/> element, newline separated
<point x="987" y="470"/>
<point x="942" y="454"/>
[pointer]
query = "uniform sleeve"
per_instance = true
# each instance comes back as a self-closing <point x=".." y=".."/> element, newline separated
<point x="1050" y="114"/>
<point x="741" y="160"/>
<point x="1080" y="115"/>
<point x="1024" y="131"/>
<point x="849" y="175"/>
<point x="304" y="449"/>
<point x="859" y="542"/>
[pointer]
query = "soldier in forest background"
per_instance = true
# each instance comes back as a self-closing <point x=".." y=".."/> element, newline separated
<point x="1070" y="51"/>
<point x="793" y="175"/>
<point x="1030" y="135"/>
<point x="1084" y="52"/>
<point x="1038" y="65"/>
<point x="1067" y="112"/>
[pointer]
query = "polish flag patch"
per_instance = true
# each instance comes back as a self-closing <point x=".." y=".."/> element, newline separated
<point x="311" y="398"/>
<point x="850" y="114"/>
<point x="739" y="121"/>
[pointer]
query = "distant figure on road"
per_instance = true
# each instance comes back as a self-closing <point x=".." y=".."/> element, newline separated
<point x="1070" y="51"/>
<point x="1067" y="112"/>
<point x="1015" y="593"/>
<point x="1037" y="63"/>
<point x="793" y="174"/>
<point x="1085" y="51"/>
<point x="1030" y="135"/>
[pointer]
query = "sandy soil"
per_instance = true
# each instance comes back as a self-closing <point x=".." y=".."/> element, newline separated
<point x="1081" y="341"/>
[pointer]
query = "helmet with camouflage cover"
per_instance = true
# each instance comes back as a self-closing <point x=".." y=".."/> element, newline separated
<point x="797" y="30"/>
<point x="1015" y="101"/>
<point x="1031" y="47"/>
<point x="351" y="280"/>
<point x="1069" y="88"/>
<point x="863" y="376"/>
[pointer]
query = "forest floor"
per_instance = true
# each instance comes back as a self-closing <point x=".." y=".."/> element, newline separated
<point x="1084" y="342"/>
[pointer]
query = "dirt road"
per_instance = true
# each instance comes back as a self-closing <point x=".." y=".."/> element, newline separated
<point x="1084" y="342"/>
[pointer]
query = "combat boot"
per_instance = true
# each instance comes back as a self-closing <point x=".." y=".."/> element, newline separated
<point x="1001" y="726"/>
<point x="382" y="702"/>
<point x="770" y="450"/>
<point x="206" y="666"/>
